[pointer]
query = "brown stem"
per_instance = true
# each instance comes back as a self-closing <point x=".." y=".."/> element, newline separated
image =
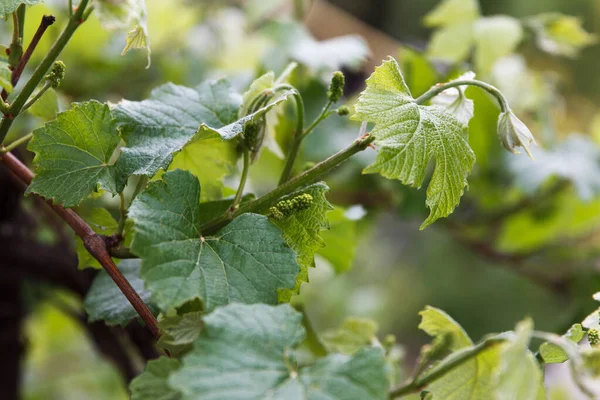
<point x="47" y="20"/>
<point x="93" y="242"/>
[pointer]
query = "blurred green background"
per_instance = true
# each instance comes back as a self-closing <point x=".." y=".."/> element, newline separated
<point x="539" y="261"/>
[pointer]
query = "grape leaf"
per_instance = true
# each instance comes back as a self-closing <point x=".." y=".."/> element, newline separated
<point x="561" y="34"/>
<point x="518" y="375"/>
<point x="495" y="37"/>
<point x="576" y="159"/>
<point x="552" y="353"/>
<point x="7" y="7"/>
<point x="408" y="135"/>
<point x="247" y="261"/>
<point x="180" y="331"/>
<point x="104" y="300"/>
<point x="354" y="334"/>
<point x="452" y="43"/>
<point x="210" y="160"/>
<point x="102" y="222"/>
<point x="152" y="384"/>
<point x="126" y="14"/>
<point x="450" y="12"/>
<point x="5" y="75"/>
<point x="301" y="232"/>
<point x="156" y="128"/>
<point x="245" y="352"/>
<point x="436" y="322"/>
<point x="73" y="154"/>
<point x="46" y="107"/>
<point x="341" y="240"/>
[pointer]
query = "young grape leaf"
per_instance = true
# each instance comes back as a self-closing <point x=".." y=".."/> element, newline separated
<point x="102" y="222"/>
<point x="255" y="344"/>
<point x="495" y="37"/>
<point x="152" y="384"/>
<point x="104" y="300"/>
<point x="576" y="159"/>
<point x="180" y="331"/>
<point x="452" y="43"/>
<point x="561" y="34"/>
<point x="301" y="232"/>
<point x="450" y="12"/>
<point x="7" y="7"/>
<point x="354" y="334"/>
<point x="46" y="107"/>
<point x="73" y="154"/>
<point x="518" y="375"/>
<point x="247" y="261"/>
<point x="436" y="322"/>
<point x="126" y="14"/>
<point x="341" y="239"/>
<point x="552" y="353"/>
<point x="455" y="101"/>
<point x="408" y="135"/>
<point x="210" y="160"/>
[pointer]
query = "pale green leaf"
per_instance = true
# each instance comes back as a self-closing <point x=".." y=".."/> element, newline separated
<point x="73" y="154"/>
<point x="259" y="85"/>
<point x="104" y="300"/>
<point x="450" y="12"/>
<point x="419" y="73"/>
<point x="518" y="375"/>
<point x="436" y="322"/>
<point x="452" y="43"/>
<point x="561" y="34"/>
<point x="576" y="159"/>
<point x="5" y="76"/>
<point x="102" y="222"/>
<point x="247" y="261"/>
<point x="301" y="232"/>
<point x="340" y="240"/>
<point x="7" y="7"/>
<point x="254" y="345"/>
<point x="46" y="107"/>
<point x="456" y="102"/>
<point x="152" y="384"/>
<point x="353" y="335"/>
<point x="210" y="160"/>
<point x="552" y="353"/>
<point x="156" y="128"/>
<point x="180" y="331"/>
<point x="495" y="37"/>
<point x="408" y="136"/>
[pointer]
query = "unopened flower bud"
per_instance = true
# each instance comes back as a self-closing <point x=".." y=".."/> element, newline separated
<point x="336" y="87"/>
<point x="514" y="133"/>
<point x="56" y="74"/>
<point x="343" y="111"/>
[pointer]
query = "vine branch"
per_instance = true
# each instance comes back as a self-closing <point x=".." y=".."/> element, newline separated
<point x="93" y="242"/>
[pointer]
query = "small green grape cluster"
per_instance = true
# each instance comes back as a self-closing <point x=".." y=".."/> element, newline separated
<point x="594" y="337"/>
<point x="56" y="74"/>
<point x="285" y="208"/>
<point x="336" y="87"/>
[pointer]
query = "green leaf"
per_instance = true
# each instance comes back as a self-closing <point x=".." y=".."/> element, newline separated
<point x="210" y="160"/>
<point x="73" y="154"/>
<point x="126" y="14"/>
<point x="419" y="73"/>
<point x="247" y="261"/>
<point x="455" y="101"/>
<point x="561" y="34"/>
<point x="152" y="384"/>
<point x="156" y="128"/>
<point x="436" y="322"/>
<point x="102" y="222"/>
<point x="354" y="334"/>
<point x="452" y="43"/>
<point x="254" y="345"/>
<point x="576" y="159"/>
<point x="450" y="12"/>
<point x="518" y="375"/>
<point x="408" y="135"/>
<point x="552" y="353"/>
<point x="7" y="7"/>
<point x="5" y="75"/>
<point x="495" y="37"/>
<point x="301" y="232"/>
<point x="341" y="240"/>
<point x="46" y="107"/>
<point x="259" y="85"/>
<point x="179" y="332"/>
<point x="104" y="300"/>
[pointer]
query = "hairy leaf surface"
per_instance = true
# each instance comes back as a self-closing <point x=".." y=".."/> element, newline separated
<point x="73" y="154"/>
<point x="246" y="352"/>
<point x="152" y="384"/>
<point x="247" y="261"/>
<point x="7" y="7"/>
<point x="409" y="135"/>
